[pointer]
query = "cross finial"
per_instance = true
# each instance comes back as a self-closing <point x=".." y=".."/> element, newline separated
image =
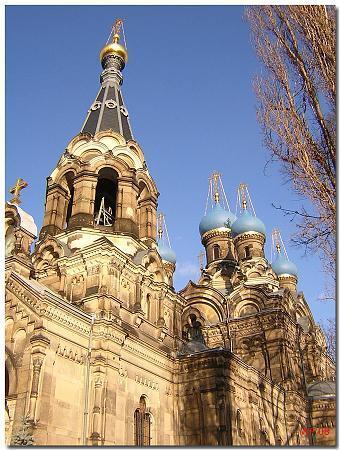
<point x="200" y="260"/>
<point x="19" y="185"/>
<point x="117" y="27"/>
<point x="276" y="239"/>
<point x="160" y="220"/>
<point x="215" y="177"/>
<point x="243" y="190"/>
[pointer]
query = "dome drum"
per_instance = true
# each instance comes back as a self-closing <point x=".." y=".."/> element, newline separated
<point x="287" y="276"/>
<point x="220" y="233"/>
<point x="169" y="270"/>
<point x="250" y="235"/>
<point x="288" y="282"/>
<point x="219" y="246"/>
<point x="168" y="264"/>
<point x="250" y="245"/>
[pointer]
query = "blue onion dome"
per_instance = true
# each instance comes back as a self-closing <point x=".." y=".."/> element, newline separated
<point x="166" y="253"/>
<point x="282" y="266"/>
<point x="217" y="217"/>
<point x="247" y="222"/>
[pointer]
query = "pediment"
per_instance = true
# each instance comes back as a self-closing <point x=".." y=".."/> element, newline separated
<point x="26" y="299"/>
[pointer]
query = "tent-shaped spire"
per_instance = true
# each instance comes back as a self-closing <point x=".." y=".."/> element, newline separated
<point x="108" y="111"/>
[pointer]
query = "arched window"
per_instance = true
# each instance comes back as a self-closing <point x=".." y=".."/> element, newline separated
<point x="239" y="423"/>
<point x="19" y="341"/>
<point x="248" y="309"/>
<point x="247" y="251"/>
<point x="106" y="197"/>
<point x="69" y="177"/>
<point x="195" y="330"/>
<point x="148" y="306"/>
<point x="216" y="252"/>
<point x="142" y="424"/>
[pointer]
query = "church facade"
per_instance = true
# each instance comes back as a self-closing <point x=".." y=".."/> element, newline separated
<point x="101" y="349"/>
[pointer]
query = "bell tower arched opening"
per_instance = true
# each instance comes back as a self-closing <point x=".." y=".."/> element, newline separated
<point x="106" y="197"/>
<point x="69" y="178"/>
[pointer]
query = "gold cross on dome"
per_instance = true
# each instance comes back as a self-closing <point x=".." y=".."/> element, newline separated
<point x="19" y="185"/>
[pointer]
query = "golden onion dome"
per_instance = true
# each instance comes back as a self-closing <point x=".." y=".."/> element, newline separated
<point x="114" y="49"/>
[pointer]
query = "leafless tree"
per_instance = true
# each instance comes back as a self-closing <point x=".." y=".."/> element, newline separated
<point x="296" y="94"/>
<point x="329" y="330"/>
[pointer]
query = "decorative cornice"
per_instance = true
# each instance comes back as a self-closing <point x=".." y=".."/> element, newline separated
<point x="146" y="382"/>
<point x="40" y="339"/>
<point x="70" y="353"/>
<point x="222" y="231"/>
<point x="145" y="352"/>
<point x="250" y="235"/>
<point x="48" y="304"/>
<point x="287" y="277"/>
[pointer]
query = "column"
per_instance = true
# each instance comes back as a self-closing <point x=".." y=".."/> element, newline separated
<point x="97" y="410"/>
<point x="37" y="363"/>
<point x="55" y="210"/>
<point x="160" y="321"/>
<point x="83" y="203"/>
<point x="137" y="306"/>
<point x="126" y="220"/>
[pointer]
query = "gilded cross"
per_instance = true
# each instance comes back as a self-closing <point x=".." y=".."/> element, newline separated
<point x="201" y="259"/>
<point x="19" y="185"/>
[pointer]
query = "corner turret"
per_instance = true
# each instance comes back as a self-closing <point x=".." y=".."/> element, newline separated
<point x="285" y="269"/>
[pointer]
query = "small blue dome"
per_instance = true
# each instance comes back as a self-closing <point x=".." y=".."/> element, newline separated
<point x="247" y="222"/>
<point x="166" y="253"/>
<point x="217" y="217"/>
<point x="282" y="266"/>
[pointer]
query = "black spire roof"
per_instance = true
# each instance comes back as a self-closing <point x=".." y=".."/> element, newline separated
<point x="108" y="111"/>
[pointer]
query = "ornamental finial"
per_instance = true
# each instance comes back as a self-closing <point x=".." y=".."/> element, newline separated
<point x="116" y="28"/>
<point x="215" y="177"/>
<point x="160" y="225"/>
<point x="113" y="48"/>
<point x="243" y="193"/>
<point x="277" y="239"/>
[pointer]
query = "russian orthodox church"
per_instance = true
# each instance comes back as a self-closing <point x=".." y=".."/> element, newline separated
<point x="101" y="349"/>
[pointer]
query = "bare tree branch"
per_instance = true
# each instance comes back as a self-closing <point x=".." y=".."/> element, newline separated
<point x="329" y="330"/>
<point x="297" y="112"/>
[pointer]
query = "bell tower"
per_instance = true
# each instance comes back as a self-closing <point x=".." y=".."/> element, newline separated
<point x="101" y="183"/>
<point x="101" y="204"/>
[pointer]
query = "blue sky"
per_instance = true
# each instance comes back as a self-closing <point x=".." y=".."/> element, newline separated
<point x="188" y="89"/>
